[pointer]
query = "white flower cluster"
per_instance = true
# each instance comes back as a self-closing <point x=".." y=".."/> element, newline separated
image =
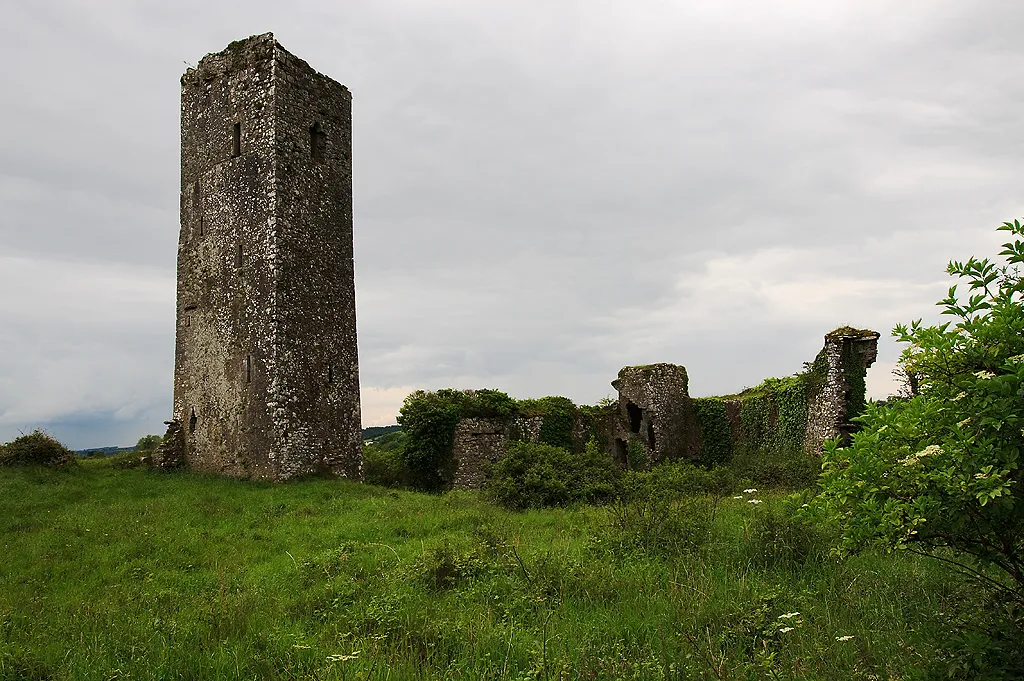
<point x="749" y="490"/>
<point x="915" y="458"/>
<point x="984" y="374"/>
<point x="790" y="616"/>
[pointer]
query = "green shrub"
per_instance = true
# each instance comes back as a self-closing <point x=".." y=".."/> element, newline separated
<point x="429" y="420"/>
<point x="534" y="475"/>
<point x="791" y="472"/>
<point x="940" y="473"/>
<point x="125" y="460"/>
<point x="779" y="535"/>
<point x="670" y="509"/>
<point x="36" y="449"/>
<point x="636" y="455"/>
<point x="558" y="416"/>
<point x="147" y="444"/>
<point x="384" y="462"/>
<point x="446" y="567"/>
<point x="984" y="644"/>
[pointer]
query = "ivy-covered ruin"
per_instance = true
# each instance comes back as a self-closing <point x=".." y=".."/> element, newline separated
<point x="773" y="431"/>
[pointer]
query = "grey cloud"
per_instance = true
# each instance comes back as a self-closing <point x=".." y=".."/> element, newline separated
<point x="543" y="191"/>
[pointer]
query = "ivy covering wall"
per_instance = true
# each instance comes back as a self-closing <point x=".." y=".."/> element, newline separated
<point x="429" y="420"/>
<point x="760" y="431"/>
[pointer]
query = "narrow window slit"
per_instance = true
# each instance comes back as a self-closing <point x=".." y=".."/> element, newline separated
<point x="236" y="140"/>
<point x="330" y="373"/>
<point x="192" y="421"/>
<point x="238" y="256"/>
<point x="317" y="142"/>
<point x="248" y="369"/>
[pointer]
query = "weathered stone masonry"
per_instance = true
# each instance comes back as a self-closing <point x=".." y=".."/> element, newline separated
<point x="655" y="408"/>
<point x="266" y="370"/>
<point x="656" y="415"/>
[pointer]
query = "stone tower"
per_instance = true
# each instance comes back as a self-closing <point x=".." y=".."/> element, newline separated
<point x="266" y="377"/>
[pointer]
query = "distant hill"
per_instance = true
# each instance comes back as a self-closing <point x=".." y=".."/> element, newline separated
<point x="368" y="434"/>
<point x="103" y="451"/>
<point x="377" y="431"/>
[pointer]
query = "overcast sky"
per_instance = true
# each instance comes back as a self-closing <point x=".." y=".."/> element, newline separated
<point x="545" y="191"/>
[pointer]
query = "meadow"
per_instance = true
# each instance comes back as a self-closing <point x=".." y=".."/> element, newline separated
<point x="112" y="573"/>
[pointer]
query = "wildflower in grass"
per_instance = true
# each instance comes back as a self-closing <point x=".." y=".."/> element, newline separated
<point x="343" y="658"/>
<point x="738" y="496"/>
<point x="753" y="501"/>
<point x="844" y="638"/>
<point x="749" y="491"/>
<point x="788" y="615"/>
<point x="785" y="629"/>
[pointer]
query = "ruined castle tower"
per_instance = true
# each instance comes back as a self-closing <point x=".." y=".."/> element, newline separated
<point x="266" y="380"/>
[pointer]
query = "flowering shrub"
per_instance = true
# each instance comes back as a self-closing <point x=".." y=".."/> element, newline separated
<point x="939" y="472"/>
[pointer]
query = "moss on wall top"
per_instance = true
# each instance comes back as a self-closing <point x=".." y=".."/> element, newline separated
<point x="850" y="332"/>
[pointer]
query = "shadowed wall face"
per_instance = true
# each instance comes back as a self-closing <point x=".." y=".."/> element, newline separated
<point x="266" y="368"/>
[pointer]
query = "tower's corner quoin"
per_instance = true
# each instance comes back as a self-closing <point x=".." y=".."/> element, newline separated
<point x="266" y="374"/>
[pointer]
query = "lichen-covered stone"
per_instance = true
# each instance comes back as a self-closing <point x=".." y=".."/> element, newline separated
<point x="266" y="371"/>
<point x="478" y="443"/>
<point x="654" y="410"/>
<point x="171" y="451"/>
<point x="838" y="371"/>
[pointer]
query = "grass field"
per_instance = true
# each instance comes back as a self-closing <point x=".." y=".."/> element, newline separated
<point x="132" y="574"/>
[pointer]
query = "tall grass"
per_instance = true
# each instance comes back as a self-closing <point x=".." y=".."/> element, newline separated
<point x="130" y="574"/>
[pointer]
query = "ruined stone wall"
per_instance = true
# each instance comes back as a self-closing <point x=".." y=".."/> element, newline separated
<point x="779" y="418"/>
<point x="655" y="412"/>
<point x="838" y="388"/>
<point x="266" y="377"/>
<point x="478" y="443"/>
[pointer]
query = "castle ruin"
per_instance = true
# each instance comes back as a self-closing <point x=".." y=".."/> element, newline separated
<point x="266" y="378"/>
<point x="655" y="420"/>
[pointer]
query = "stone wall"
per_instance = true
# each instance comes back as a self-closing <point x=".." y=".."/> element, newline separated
<point x="478" y="443"/>
<point x="780" y="417"/>
<point x="266" y="369"/>
<point x="841" y="366"/>
<point x="654" y="410"/>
